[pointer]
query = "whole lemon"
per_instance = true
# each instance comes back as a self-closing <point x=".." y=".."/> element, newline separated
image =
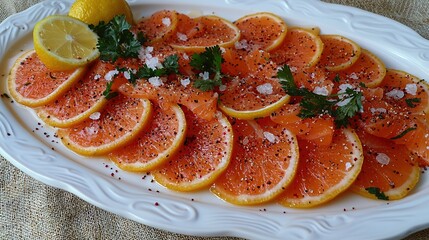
<point x="94" y="11"/>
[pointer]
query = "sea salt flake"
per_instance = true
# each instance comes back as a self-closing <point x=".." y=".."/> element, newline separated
<point x="378" y="110"/>
<point x="205" y="75"/>
<point x="411" y="88"/>
<point x="344" y="87"/>
<point x="91" y="130"/>
<point x="95" y="116"/>
<point x="395" y="94"/>
<point x="127" y="75"/>
<point x="343" y="102"/>
<point x="155" y="81"/>
<point x="185" y="56"/>
<point x="270" y="137"/>
<point x="166" y="21"/>
<point x="153" y="63"/>
<point x="382" y="158"/>
<point x="241" y="44"/>
<point x="348" y="166"/>
<point x="110" y="75"/>
<point x="245" y="141"/>
<point x="222" y="88"/>
<point x="185" y="82"/>
<point x="97" y="76"/>
<point x="321" y="91"/>
<point x="265" y="89"/>
<point x="293" y="69"/>
<point x="353" y="76"/>
<point x="182" y="37"/>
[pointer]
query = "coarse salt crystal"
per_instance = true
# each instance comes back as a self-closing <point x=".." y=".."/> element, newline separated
<point x="265" y="88"/>
<point x="353" y="76"/>
<point x="97" y="76"/>
<point x="222" y="88"/>
<point x="245" y="141"/>
<point x="396" y="94"/>
<point x="348" y="166"/>
<point x="343" y="102"/>
<point x="382" y="158"/>
<point x="127" y="75"/>
<point x="321" y="91"/>
<point x="153" y="63"/>
<point x="205" y="75"/>
<point x="155" y="81"/>
<point x="182" y="37"/>
<point x="110" y="75"/>
<point x="270" y="137"/>
<point x="185" y="56"/>
<point x="166" y="21"/>
<point x="185" y="82"/>
<point x="411" y="88"/>
<point x="241" y="44"/>
<point x="293" y="69"/>
<point x="378" y="110"/>
<point x="344" y="87"/>
<point x="95" y="116"/>
<point x="91" y="130"/>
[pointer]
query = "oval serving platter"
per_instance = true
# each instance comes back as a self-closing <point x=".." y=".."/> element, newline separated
<point x="32" y="147"/>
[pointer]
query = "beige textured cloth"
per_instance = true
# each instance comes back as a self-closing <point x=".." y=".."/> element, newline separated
<point x="30" y="209"/>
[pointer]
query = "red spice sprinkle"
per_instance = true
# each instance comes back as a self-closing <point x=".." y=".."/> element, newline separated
<point x="156" y="204"/>
<point x="112" y="174"/>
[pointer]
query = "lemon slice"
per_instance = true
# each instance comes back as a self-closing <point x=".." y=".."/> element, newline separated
<point x="94" y="11"/>
<point x="64" y="43"/>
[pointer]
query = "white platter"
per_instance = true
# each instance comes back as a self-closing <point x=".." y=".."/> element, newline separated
<point x="136" y="197"/>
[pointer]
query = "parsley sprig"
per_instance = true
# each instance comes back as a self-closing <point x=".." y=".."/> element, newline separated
<point x="342" y="106"/>
<point x="377" y="192"/>
<point x="209" y="61"/>
<point x="116" y="40"/>
<point x="170" y="65"/>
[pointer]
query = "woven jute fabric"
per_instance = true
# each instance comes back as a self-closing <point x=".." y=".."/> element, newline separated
<point x="30" y="209"/>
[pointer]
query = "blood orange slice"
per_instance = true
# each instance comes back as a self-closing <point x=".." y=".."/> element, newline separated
<point x="368" y="69"/>
<point x="262" y="30"/>
<point x="301" y="48"/>
<point x="115" y="126"/>
<point x="159" y="26"/>
<point x="264" y="162"/>
<point x="338" y="53"/>
<point x="32" y="84"/>
<point x="324" y="172"/>
<point x="389" y="168"/>
<point x="160" y="141"/>
<point x="205" y="155"/>
<point x="217" y="31"/>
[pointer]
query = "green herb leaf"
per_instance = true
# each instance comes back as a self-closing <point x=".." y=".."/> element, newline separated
<point x="209" y="61"/>
<point x="411" y="102"/>
<point x="404" y="132"/>
<point x="116" y="40"/>
<point x="108" y="93"/>
<point x="341" y="106"/>
<point x="377" y="192"/>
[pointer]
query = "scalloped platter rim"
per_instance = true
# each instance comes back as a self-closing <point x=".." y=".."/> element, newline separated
<point x="31" y="146"/>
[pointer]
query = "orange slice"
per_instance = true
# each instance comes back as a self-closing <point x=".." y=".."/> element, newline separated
<point x="160" y="141"/>
<point x="79" y="102"/>
<point x="406" y="91"/>
<point x="117" y="125"/>
<point x="264" y="162"/>
<point x="32" y="84"/>
<point x="262" y="30"/>
<point x="318" y="129"/>
<point x="159" y="26"/>
<point x="388" y="167"/>
<point x="338" y="53"/>
<point x="217" y="31"/>
<point x="301" y="48"/>
<point x="324" y="172"/>
<point x="368" y="69"/>
<point x="203" y="104"/>
<point x="205" y="155"/>
<point x="257" y="95"/>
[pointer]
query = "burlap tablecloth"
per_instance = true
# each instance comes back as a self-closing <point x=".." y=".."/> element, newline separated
<point x="30" y="209"/>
